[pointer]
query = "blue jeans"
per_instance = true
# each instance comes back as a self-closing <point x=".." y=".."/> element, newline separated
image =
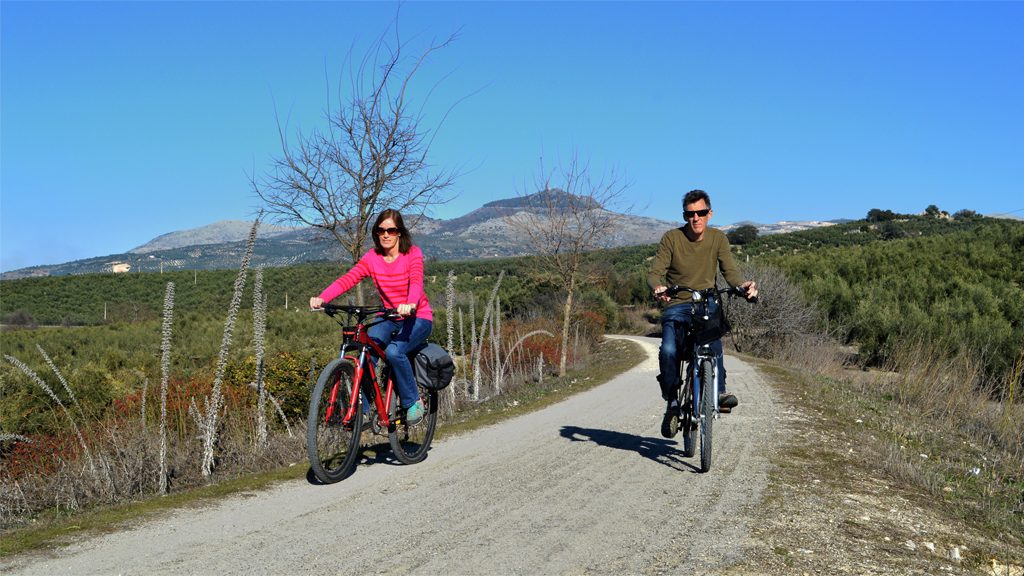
<point x="675" y="320"/>
<point x="398" y="339"/>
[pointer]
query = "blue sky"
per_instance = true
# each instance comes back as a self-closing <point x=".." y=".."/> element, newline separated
<point x="121" y="121"/>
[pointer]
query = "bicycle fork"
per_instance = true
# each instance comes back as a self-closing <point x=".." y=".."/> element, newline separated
<point x="702" y="354"/>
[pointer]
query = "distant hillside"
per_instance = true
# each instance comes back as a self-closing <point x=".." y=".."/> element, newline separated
<point x="216" y="233"/>
<point x="482" y="233"/>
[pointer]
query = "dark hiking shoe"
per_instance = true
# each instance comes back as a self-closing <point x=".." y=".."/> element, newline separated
<point x="726" y="402"/>
<point x="670" y="422"/>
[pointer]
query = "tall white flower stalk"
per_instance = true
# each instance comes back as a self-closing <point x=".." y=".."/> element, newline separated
<point x="142" y="404"/>
<point x="60" y="378"/>
<point x="472" y="349"/>
<point x="277" y="406"/>
<point x="259" y="319"/>
<point x="512" y="349"/>
<point x="479" y="345"/>
<point x="449" y="311"/>
<point x="462" y="337"/>
<point x="215" y="401"/>
<point x="499" y="374"/>
<point x="462" y="352"/>
<point x="165" y="375"/>
<point x="49" y="392"/>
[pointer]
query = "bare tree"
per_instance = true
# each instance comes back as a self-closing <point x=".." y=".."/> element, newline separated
<point x="371" y="155"/>
<point x="565" y="220"/>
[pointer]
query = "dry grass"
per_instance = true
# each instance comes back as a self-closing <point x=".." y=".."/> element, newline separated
<point x="855" y="491"/>
<point x="931" y="423"/>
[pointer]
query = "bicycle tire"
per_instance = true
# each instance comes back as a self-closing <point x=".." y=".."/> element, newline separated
<point x="411" y="442"/>
<point x="707" y="412"/>
<point x="686" y="419"/>
<point x="333" y="449"/>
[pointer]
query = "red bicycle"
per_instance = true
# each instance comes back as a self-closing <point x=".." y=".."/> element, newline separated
<point x="352" y="387"/>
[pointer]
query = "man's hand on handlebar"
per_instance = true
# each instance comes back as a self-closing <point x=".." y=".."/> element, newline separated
<point x="749" y="290"/>
<point x="659" y="293"/>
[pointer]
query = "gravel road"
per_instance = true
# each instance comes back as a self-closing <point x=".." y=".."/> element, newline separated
<point x="587" y="486"/>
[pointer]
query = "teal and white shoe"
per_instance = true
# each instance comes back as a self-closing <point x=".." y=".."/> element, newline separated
<point x="414" y="414"/>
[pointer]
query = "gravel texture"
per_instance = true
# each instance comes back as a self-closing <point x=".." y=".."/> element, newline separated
<point x="586" y="486"/>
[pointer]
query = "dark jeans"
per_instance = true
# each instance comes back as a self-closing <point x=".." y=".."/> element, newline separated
<point x="675" y="320"/>
<point x="398" y="339"/>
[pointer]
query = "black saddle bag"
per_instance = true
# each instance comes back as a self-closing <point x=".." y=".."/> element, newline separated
<point x="433" y="367"/>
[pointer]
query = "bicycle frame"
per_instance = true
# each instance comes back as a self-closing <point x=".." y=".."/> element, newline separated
<point x="357" y="337"/>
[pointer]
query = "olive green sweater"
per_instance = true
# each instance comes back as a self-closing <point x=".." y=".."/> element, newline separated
<point x="682" y="261"/>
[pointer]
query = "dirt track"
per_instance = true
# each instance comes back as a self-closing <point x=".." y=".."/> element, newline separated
<point x="587" y="486"/>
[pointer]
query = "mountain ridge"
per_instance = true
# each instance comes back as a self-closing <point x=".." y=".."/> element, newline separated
<point x="215" y="233"/>
<point x="480" y="233"/>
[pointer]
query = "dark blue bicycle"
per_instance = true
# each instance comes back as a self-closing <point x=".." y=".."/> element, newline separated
<point x="697" y="395"/>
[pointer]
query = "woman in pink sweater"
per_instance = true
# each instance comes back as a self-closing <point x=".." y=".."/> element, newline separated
<point x="396" y="267"/>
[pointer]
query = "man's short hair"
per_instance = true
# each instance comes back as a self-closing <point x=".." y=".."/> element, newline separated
<point x="696" y="196"/>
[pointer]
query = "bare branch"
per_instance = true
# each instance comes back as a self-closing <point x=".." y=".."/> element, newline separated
<point x="564" y="219"/>
<point x="372" y="154"/>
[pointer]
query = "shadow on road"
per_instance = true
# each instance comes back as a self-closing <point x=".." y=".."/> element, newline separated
<point x="659" y="450"/>
<point x="369" y="454"/>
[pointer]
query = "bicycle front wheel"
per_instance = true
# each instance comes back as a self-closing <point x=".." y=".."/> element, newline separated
<point x="410" y="442"/>
<point x="687" y="422"/>
<point x="707" y="412"/>
<point x="332" y="442"/>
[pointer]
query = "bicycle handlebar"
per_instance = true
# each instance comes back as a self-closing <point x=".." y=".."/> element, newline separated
<point x="699" y="295"/>
<point x="361" y="312"/>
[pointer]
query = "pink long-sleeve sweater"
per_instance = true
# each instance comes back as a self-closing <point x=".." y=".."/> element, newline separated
<point x="398" y="282"/>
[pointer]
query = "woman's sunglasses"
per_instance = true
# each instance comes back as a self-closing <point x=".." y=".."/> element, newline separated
<point x="388" y="231"/>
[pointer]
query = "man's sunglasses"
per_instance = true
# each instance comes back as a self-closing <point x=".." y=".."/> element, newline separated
<point x="691" y="213"/>
<point x="388" y="231"/>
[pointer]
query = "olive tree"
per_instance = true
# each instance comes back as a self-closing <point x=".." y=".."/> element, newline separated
<point x="743" y="234"/>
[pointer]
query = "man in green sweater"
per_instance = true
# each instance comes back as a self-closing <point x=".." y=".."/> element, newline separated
<point x="690" y="256"/>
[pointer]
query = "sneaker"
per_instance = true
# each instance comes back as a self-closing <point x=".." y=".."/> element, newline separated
<point x="670" y="422"/>
<point x="726" y="402"/>
<point x="414" y="413"/>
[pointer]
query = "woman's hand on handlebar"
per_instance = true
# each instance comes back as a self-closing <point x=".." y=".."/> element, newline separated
<point x="316" y="303"/>
<point x="406" y="309"/>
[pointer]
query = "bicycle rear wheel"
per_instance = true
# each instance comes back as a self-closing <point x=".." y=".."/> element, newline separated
<point x="707" y="412"/>
<point x="332" y="444"/>
<point x="411" y="442"/>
